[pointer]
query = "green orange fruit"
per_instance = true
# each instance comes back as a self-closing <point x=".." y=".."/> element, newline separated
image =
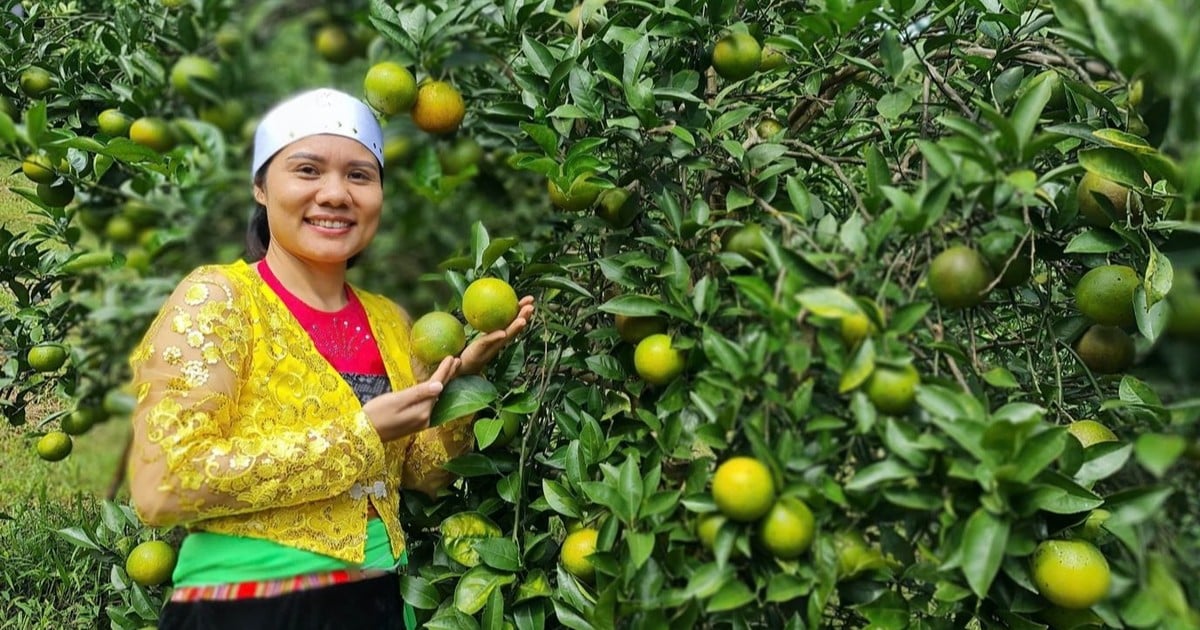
<point x="1105" y="295"/>
<point x="959" y="277"/>
<point x="743" y="489"/>
<point x="437" y="335"/>
<point x="656" y="360"/>
<point x="737" y="56"/>
<point x="390" y="88"/>
<point x="893" y="390"/>
<point x="490" y="304"/>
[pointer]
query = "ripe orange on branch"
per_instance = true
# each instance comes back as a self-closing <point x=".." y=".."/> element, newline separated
<point x="390" y="88"/>
<point x="656" y="361"/>
<point x="439" y="108"/>
<point x="490" y="304"/>
<point x="743" y="489"/>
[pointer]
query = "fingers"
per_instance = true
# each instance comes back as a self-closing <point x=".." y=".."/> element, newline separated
<point x="445" y="372"/>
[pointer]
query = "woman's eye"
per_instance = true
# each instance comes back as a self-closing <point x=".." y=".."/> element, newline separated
<point x="306" y="169"/>
<point x="361" y="176"/>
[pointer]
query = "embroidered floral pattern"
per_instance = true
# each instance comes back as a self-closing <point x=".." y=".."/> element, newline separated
<point x="235" y="431"/>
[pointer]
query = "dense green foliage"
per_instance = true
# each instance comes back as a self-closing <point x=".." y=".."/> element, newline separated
<point x="890" y="132"/>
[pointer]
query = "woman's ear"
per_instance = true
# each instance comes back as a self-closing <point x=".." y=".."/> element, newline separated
<point x="260" y="195"/>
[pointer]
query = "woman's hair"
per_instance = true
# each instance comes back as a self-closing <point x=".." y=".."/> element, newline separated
<point x="258" y="231"/>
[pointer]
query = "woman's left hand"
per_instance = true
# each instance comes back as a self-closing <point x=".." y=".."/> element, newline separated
<point x="481" y="351"/>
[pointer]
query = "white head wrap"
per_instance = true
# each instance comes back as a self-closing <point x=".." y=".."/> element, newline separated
<point x="316" y="112"/>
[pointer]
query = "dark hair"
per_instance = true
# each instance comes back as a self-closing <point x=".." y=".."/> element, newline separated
<point x="258" y="231"/>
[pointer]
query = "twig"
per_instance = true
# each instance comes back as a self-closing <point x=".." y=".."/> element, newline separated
<point x="818" y="156"/>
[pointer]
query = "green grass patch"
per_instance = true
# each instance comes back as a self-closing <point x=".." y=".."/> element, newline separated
<point x="88" y="469"/>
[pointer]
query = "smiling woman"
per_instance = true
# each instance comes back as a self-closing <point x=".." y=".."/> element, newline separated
<point x="280" y="414"/>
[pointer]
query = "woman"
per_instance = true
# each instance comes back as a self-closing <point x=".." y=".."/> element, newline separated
<point x="279" y="415"/>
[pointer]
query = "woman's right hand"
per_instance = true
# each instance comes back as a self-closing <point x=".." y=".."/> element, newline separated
<point x="397" y="414"/>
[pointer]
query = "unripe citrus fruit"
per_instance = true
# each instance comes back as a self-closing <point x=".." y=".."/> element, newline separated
<point x="490" y="304"/>
<point x="79" y="421"/>
<point x="112" y="122"/>
<point x="1106" y="349"/>
<point x="736" y="56"/>
<point x="56" y="195"/>
<point x="998" y="247"/>
<point x="576" y="552"/>
<point x="893" y="390"/>
<point x="190" y="69"/>
<point x="958" y="277"/>
<point x="617" y="207"/>
<point x="854" y="555"/>
<point x="1105" y="295"/>
<point x="227" y="116"/>
<point x="656" y="361"/>
<point x="748" y="241"/>
<point x="1072" y="574"/>
<point x="396" y="150"/>
<point x="439" y="108"/>
<point x="772" y="59"/>
<point x="35" y="81"/>
<point x="153" y="133"/>
<point x="334" y="44"/>
<point x="633" y="329"/>
<point x="150" y="563"/>
<point x="460" y="156"/>
<point x="1090" y="432"/>
<point x="582" y="193"/>
<point x="54" y="446"/>
<point x="118" y="403"/>
<point x="38" y="168"/>
<point x="390" y="88"/>
<point x="120" y="230"/>
<point x="228" y="39"/>
<point x="1091" y="209"/>
<point x="707" y="529"/>
<point x="743" y="489"/>
<point x="788" y="528"/>
<point x="768" y="128"/>
<point x="437" y="335"/>
<point x="47" y="357"/>
<point x="855" y="327"/>
<point x="510" y="427"/>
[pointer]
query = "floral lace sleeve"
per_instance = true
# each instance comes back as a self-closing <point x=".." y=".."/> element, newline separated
<point x="187" y="463"/>
<point x="430" y="449"/>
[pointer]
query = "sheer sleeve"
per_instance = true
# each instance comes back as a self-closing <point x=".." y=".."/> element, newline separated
<point x="430" y="449"/>
<point x="187" y="463"/>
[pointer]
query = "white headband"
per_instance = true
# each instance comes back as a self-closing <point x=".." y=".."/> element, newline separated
<point x="316" y="112"/>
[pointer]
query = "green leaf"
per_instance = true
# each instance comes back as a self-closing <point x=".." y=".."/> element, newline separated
<point x="1159" y="277"/>
<point x="1114" y="164"/>
<point x="860" y="368"/>
<point x="869" y="477"/>
<point x="828" y="302"/>
<point x="1157" y="452"/>
<point x="499" y="553"/>
<point x="560" y="500"/>
<point x="476" y="586"/>
<point x="731" y="596"/>
<point x="419" y="592"/>
<point x="76" y="536"/>
<point x="983" y="545"/>
<point x="1000" y="377"/>
<point x="535" y="586"/>
<point x="460" y="532"/>
<point x="1122" y="140"/>
<point x="633" y="305"/>
<point x="1095" y="242"/>
<point x="894" y="104"/>
<point x="461" y="397"/>
<point x="1102" y="461"/>
<point x="495" y="250"/>
<point x="1028" y="110"/>
<point x="641" y="546"/>
<point x="707" y="580"/>
<point x="785" y="588"/>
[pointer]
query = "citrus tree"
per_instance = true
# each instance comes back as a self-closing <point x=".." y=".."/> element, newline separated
<point x="851" y="314"/>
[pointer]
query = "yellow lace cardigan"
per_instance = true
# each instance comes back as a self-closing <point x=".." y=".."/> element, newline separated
<point x="243" y="428"/>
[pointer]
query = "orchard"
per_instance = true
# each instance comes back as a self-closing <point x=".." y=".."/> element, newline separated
<point x="855" y="313"/>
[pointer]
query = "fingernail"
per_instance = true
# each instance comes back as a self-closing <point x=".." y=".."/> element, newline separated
<point x="435" y="387"/>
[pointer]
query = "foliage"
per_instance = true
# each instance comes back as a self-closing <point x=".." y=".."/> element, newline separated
<point x="909" y="126"/>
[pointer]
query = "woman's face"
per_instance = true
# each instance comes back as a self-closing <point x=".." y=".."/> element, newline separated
<point x="323" y="195"/>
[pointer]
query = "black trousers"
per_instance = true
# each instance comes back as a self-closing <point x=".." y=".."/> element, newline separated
<point x="373" y="604"/>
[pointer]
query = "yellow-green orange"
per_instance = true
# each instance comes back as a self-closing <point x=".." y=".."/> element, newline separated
<point x="893" y="390"/>
<point x="190" y="70"/>
<point x="112" y="122"/>
<point x="576" y="553"/>
<point x="510" y="427"/>
<point x="855" y="327"/>
<point x="1072" y="574"/>
<point x="439" y="108"/>
<point x="490" y="304"/>
<point x="460" y="156"/>
<point x="656" y="361"/>
<point x="396" y="150"/>
<point x="772" y="59"/>
<point x="958" y="277"/>
<point x="334" y="44"/>
<point x="79" y="421"/>
<point x="38" y="168"/>
<point x="580" y="195"/>
<point x="150" y="563"/>
<point x="54" y="446"/>
<point x="768" y="128"/>
<point x="1105" y="295"/>
<point x="35" y="81"/>
<point x="736" y="56"/>
<point x="1091" y="209"/>
<point x="854" y="555"/>
<point x="1090" y="432"/>
<point x="747" y="241"/>
<point x="617" y="207"/>
<point x="788" y="528"/>
<point x="437" y="335"/>
<point x="46" y="357"/>
<point x="153" y="133"/>
<point x="743" y="489"/>
<point x="120" y="230"/>
<point x="633" y="329"/>
<point x="1106" y="349"/>
<point x="390" y="88"/>
<point x="707" y="529"/>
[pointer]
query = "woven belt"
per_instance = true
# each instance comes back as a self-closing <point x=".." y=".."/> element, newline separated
<point x="272" y="588"/>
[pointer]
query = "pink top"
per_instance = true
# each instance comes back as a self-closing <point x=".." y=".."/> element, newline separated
<point x="343" y="337"/>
